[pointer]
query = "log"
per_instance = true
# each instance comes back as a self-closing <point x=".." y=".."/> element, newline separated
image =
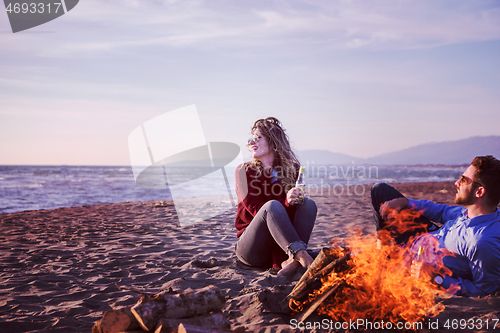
<point x="314" y="305"/>
<point x="114" y="321"/>
<point x="213" y="321"/>
<point x="197" y="329"/>
<point x="150" y="309"/>
<point x="338" y="265"/>
<point x="324" y="257"/>
<point x="310" y="283"/>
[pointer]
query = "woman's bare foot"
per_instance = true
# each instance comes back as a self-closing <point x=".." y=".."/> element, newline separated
<point x="288" y="268"/>
<point x="304" y="258"/>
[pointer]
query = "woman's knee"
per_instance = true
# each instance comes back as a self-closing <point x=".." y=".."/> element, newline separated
<point x="273" y="205"/>
<point x="310" y="206"/>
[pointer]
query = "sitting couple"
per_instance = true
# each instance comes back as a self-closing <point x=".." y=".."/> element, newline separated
<point x="274" y="228"/>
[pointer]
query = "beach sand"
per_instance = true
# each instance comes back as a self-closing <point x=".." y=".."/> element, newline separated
<point x="61" y="269"/>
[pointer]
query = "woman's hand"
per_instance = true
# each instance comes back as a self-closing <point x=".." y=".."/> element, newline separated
<point x="293" y="195"/>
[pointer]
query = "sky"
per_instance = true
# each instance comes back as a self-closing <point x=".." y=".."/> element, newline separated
<point x="355" y="77"/>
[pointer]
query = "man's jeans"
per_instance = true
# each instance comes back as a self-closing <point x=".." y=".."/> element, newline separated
<point x="381" y="193"/>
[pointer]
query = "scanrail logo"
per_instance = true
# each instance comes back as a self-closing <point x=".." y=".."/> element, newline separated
<point x="26" y="14"/>
<point x="170" y="152"/>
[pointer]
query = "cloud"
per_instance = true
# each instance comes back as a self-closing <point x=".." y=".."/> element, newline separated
<point x="121" y="61"/>
<point x="106" y="26"/>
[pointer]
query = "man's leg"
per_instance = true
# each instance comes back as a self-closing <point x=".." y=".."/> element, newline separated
<point x="381" y="193"/>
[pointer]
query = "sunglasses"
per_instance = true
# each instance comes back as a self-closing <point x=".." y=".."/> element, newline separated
<point x="253" y="139"/>
<point x="464" y="180"/>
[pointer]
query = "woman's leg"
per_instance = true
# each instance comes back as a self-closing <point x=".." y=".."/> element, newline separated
<point x="271" y="226"/>
<point x="303" y="222"/>
<point x="304" y="219"/>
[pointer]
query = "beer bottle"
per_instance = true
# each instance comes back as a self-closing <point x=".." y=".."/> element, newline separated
<point x="301" y="185"/>
<point x="416" y="264"/>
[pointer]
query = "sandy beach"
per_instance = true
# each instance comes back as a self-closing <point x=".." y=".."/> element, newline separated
<point x="61" y="269"/>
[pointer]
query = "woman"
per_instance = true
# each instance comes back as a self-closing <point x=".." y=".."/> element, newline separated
<point x="273" y="228"/>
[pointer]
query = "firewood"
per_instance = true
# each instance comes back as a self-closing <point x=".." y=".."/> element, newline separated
<point x="114" y="321"/>
<point x="317" y="302"/>
<point x="324" y="257"/>
<point x="338" y="265"/>
<point x="150" y="309"/>
<point x="213" y="321"/>
<point x="310" y="283"/>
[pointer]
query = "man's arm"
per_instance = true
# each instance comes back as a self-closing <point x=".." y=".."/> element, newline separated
<point x="485" y="268"/>
<point x="433" y="211"/>
<point x="389" y="207"/>
<point x="436" y="212"/>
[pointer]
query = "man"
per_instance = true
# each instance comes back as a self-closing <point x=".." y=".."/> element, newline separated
<point x="468" y="243"/>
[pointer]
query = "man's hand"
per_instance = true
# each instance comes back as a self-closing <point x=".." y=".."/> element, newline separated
<point x="389" y="207"/>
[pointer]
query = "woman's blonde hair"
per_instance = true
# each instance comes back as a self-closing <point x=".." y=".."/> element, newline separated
<point x="285" y="161"/>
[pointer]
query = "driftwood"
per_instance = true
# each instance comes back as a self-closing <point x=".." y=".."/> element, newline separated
<point x="312" y="282"/>
<point x="114" y="321"/>
<point x="210" y="322"/>
<point x="150" y="309"/>
<point x="198" y="329"/>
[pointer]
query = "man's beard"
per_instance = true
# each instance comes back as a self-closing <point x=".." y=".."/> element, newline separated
<point x="466" y="200"/>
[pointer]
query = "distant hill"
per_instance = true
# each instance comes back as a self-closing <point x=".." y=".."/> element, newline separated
<point x="448" y="153"/>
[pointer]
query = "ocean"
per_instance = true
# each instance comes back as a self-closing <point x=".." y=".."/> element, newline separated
<point x="31" y="187"/>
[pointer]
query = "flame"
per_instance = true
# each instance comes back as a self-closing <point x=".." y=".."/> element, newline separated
<point x="402" y="222"/>
<point x="378" y="284"/>
<point x="379" y="287"/>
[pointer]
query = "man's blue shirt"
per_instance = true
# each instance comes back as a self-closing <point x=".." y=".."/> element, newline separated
<point x="474" y="242"/>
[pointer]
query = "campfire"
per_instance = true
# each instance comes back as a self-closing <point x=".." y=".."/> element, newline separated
<point x="363" y="281"/>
